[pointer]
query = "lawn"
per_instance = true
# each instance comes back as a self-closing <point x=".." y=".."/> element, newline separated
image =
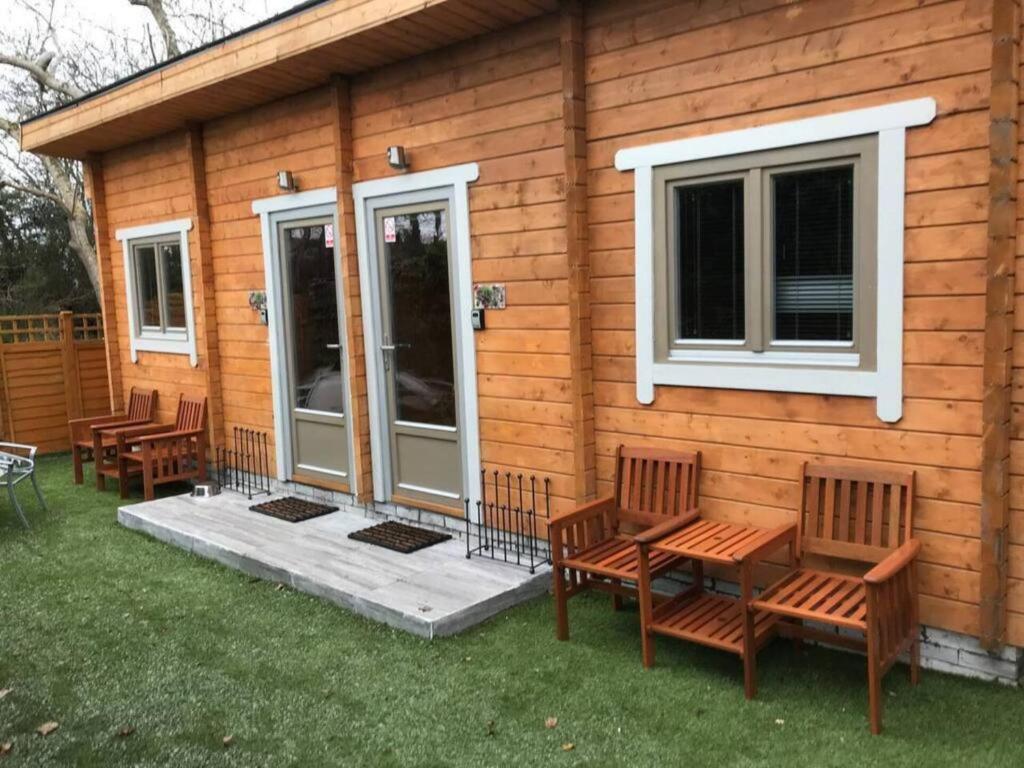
<point x="106" y="632"/>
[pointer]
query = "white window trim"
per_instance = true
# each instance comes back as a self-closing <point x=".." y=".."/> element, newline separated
<point x="167" y="343"/>
<point x="889" y="122"/>
<point x="453" y="180"/>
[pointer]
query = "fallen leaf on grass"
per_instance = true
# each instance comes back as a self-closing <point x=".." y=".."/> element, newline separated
<point x="568" y="746"/>
<point x="125" y="731"/>
<point x="5" y="748"/>
<point x="228" y="741"/>
<point x="47" y="728"/>
<point x="551" y="722"/>
<point x="779" y="721"/>
<point x="4" y="692"/>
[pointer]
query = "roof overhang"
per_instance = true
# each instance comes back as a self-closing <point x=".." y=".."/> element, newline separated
<point x="295" y="52"/>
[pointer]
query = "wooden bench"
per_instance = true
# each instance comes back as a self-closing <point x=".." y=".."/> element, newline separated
<point x="593" y="546"/>
<point x="164" y="453"/>
<point x="88" y="445"/>
<point x="853" y="516"/>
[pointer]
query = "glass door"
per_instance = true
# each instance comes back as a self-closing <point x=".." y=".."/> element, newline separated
<point x="316" y="381"/>
<point x="418" y="352"/>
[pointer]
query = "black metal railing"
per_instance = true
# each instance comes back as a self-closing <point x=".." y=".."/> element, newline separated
<point x="244" y="466"/>
<point x="506" y="525"/>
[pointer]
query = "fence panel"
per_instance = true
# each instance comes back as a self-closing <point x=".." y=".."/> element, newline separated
<point x="52" y="368"/>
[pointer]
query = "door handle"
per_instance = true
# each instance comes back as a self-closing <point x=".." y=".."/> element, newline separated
<point x="332" y="346"/>
<point x="387" y="347"/>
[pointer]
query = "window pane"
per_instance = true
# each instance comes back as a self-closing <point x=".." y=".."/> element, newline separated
<point x="171" y="255"/>
<point x="149" y="294"/>
<point x="710" y="258"/>
<point x="814" y="255"/>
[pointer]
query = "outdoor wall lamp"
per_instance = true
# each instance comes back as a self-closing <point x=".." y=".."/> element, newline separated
<point x="396" y="158"/>
<point x="285" y="180"/>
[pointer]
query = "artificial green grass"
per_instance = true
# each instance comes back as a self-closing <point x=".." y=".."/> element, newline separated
<point x="102" y="628"/>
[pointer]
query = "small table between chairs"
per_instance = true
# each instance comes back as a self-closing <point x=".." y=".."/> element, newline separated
<point x="715" y="620"/>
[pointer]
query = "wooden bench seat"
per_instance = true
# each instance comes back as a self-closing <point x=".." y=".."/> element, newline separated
<point x="830" y="598"/>
<point x="615" y="558"/>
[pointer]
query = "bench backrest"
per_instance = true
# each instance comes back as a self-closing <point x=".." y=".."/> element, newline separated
<point x="652" y="484"/>
<point x="191" y="413"/>
<point x="141" y="404"/>
<point x="854" y="513"/>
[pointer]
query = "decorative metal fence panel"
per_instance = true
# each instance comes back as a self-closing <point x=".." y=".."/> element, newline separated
<point x="244" y="464"/>
<point x="510" y="519"/>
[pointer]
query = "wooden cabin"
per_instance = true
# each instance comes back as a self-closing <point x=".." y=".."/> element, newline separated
<point x="774" y="231"/>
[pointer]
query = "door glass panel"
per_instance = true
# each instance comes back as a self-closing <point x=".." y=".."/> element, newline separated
<point x="171" y="255"/>
<point x="149" y="290"/>
<point x="313" y="298"/>
<point x="416" y="259"/>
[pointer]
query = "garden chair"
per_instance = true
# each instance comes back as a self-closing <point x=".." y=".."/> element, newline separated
<point x="87" y="442"/>
<point x="18" y="463"/>
<point x="856" y="516"/>
<point x="164" y="453"/>
<point x="593" y="547"/>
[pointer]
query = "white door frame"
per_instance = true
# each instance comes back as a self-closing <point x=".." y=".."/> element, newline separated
<point x="272" y="211"/>
<point x="450" y="184"/>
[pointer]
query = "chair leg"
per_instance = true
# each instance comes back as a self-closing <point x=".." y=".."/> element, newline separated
<point x="39" y="494"/>
<point x="101" y="479"/>
<point x="561" y="608"/>
<point x="749" y="639"/>
<point x="915" y="658"/>
<point x="17" y="507"/>
<point x="616" y="599"/>
<point x="874" y="688"/>
<point x="646" y="599"/>
<point x="147" y="483"/>
<point x="76" y="459"/>
<point x="796" y="639"/>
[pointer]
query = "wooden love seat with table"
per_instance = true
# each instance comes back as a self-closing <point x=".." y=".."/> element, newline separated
<point x="88" y="443"/>
<point x="849" y="563"/>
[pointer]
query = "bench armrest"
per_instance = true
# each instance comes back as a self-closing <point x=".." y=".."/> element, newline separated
<point x="894" y="563"/>
<point x="661" y="530"/>
<point x="81" y="428"/>
<point x="141" y="430"/>
<point x="587" y="511"/>
<point x="173" y="435"/>
<point x="766" y="542"/>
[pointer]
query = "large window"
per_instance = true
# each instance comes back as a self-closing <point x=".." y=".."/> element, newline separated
<point x="158" y="288"/>
<point x="768" y="256"/>
<point x="771" y="257"/>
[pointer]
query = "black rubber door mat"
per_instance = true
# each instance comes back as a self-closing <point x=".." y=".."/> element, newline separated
<point x="399" y="537"/>
<point x="292" y="510"/>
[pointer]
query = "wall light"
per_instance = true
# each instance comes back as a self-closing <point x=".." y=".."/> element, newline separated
<point x="396" y="158"/>
<point x="286" y="181"/>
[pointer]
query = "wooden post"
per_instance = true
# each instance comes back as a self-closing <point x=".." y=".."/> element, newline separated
<point x="201" y="256"/>
<point x="359" y="419"/>
<point x="69" y="362"/>
<point x="999" y="298"/>
<point x="96" y="192"/>
<point x="574" y="115"/>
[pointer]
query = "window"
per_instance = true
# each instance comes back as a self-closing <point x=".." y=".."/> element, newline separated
<point x="771" y="258"/>
<point x="768" y="256"/>
<point x="158" y="283"/>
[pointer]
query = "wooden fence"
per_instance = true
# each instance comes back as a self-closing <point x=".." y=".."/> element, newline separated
<point x="52" y="368"/>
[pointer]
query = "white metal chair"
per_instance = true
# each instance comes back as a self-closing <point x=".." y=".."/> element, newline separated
<point x="17" y="463"/>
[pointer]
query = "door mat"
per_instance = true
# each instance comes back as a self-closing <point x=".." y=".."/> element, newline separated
<point x="292" y="510"/>
<point x="399" y="537"/>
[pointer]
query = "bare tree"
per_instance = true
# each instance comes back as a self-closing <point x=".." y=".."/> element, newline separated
<point x="48" y="61"/>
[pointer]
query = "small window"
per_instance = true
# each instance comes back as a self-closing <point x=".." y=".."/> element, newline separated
<point x="768" y="257"/>
<point x="159" y="290"/>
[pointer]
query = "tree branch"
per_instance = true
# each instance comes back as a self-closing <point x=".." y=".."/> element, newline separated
<point x="37" y="69"/>
<point x="156" y="9"/>
<point x="28" y="189"/>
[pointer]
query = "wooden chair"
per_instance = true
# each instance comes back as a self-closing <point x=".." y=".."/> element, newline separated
<point x="86" y="444"/>
<point x="164" y="453"/>
<point x="594" y="547"/>
<point x="854" y="515"/>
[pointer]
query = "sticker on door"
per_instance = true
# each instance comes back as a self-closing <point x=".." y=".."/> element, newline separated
<point x="390" y="236"/>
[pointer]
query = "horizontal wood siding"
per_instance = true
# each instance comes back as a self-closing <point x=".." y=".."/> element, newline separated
<point x="497" y="101"/>
<point x="243" y="153"/>
<point x="146" y="184"/>
<point x="659" y="70"/>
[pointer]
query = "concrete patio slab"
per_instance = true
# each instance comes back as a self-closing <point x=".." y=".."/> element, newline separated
<point x="433" y="592"/>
